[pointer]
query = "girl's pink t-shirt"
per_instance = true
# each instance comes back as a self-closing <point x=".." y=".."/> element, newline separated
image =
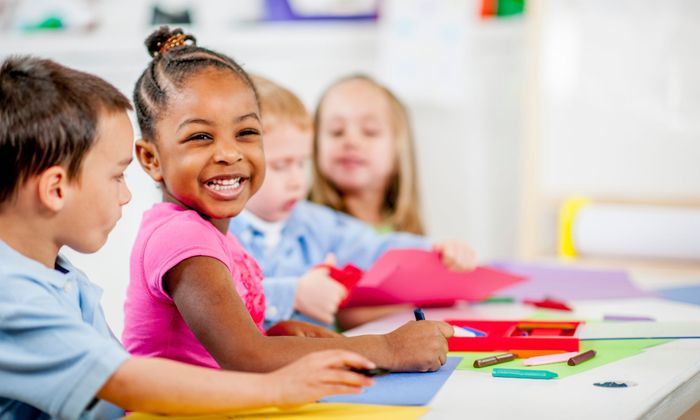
<point x="168" y="235"/>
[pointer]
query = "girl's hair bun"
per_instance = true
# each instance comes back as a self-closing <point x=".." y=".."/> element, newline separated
<point x="163" y="39"/>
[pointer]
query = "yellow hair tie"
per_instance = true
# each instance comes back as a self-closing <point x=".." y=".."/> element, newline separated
<point x="174" y="41"/>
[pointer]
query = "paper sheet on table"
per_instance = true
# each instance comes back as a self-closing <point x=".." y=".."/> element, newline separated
<point x="638" y="330"/>
<point x="309" y="411"/>
<point x="565" y="283"/>
<point x="419" y="277"/>
<point x="608" y="351"/>
<point x="403" y="388"/>
<point x="626" y="330"/>
<point x="687" y="294"/>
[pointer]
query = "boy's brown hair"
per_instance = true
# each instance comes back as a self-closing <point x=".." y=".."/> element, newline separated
<point x="280" y="105"/>
<point x="49" y="115"/>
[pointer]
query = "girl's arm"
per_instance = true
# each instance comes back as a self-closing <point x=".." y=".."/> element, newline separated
<point x="300" y="329"/>
<point x="354" y="241"/>
<point x="168" y="387"/>
<point x="204" y="293"/>
<point x="347" y="318"/>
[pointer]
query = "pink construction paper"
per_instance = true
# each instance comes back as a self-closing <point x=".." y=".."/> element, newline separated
<point x="418" y="277"/>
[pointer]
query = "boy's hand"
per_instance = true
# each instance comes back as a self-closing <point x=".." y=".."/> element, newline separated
<point x="317" y="375"/>
<point x="301" y="329"/>
<point x="318" y="295"/>
<point x="456" y="255"/>
<point x="419" y="346"/>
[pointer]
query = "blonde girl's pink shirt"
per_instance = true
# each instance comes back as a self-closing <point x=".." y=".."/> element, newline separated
<point x="168" y="235"/>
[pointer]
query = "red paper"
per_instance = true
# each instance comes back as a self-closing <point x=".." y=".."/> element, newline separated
<point x="348" y="276"/>
<point x="419" y="277"/>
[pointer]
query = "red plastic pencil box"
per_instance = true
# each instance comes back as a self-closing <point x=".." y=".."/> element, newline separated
<point x="516" y="335"/>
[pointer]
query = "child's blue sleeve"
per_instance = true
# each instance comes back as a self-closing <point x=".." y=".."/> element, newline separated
<point x="280" y="292"/>
<point x="359" y="243"/>
<point x="49" y="357"/>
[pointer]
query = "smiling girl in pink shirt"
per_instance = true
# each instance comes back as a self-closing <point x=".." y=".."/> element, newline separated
<point x="194" y="293"/>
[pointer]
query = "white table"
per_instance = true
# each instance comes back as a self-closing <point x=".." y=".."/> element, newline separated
<point x="667" y="376"/>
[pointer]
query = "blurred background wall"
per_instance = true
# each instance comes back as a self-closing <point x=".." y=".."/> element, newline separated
<point x="515" y="105"/>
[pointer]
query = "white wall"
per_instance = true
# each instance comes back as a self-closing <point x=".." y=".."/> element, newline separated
<point x="621" y="98"/>
<point x="467" y="154"/>
<point x="615" y="108"/>
<point x="618" y="99"/>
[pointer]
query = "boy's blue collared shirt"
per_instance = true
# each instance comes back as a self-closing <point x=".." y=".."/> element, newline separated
<point x="56" y="349"/>
<point x="310" y="233"/>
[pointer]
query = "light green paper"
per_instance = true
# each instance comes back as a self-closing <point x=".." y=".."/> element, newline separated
<point x="607" y="351"/>
<point x="553" y="315"/>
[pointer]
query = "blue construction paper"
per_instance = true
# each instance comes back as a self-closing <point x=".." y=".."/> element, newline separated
<point x="687" y="294"/>
<point x="402" y="388"/>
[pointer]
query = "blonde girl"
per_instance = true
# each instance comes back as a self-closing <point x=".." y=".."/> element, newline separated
<point x="364" y="162"/>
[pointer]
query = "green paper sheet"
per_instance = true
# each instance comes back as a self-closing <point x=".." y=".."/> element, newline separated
<point x="553" y="315"/>
<point x="608" y="351"/>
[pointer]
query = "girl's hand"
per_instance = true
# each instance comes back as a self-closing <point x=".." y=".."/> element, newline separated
<point x="317" y="375"/>
<point x="419" y="346"/>
<point x="456" y="255"/>
<point x="318" y="296"/>
<point x="301" y="329"/>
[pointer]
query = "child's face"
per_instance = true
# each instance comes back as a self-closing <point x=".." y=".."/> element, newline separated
<point x="209" y="145"/>
<point x="93" y="204"/>
<point x="287" y="155"/>
<point x="356" y="145"/>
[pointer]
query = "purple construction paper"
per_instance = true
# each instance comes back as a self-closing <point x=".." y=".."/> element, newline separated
<point x="613" y="317"/>
<point x="402" y="388"/>
<point x="565" y="283"/>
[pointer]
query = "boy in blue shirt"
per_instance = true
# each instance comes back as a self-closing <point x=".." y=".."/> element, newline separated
<point x="65" y="141"/>
<point x="289" y="236"/>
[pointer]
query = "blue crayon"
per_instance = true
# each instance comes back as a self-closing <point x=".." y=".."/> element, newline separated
<point x="477" y="333"/>
<point x="418" y="312"/>
<point x="524" y="373"/>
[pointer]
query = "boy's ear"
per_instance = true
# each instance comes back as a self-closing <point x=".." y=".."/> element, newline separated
<point x="53" y="186"/>
<point x="147" y="155"/>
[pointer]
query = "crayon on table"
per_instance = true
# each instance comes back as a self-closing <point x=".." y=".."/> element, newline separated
<point x="524" y="373"/>
<point x="580" y="358"/>
<point x="499" y="299"/>
<point x="492" y="360"/>
<point x="418" y="313"/>
<point x="549" y="358"/>
<point x="476" y="332"/>
<point x="627" y="318"/>
<point x="468" y="332"/>
<point x="371" y="372"/>
<point x="526" y="354"/>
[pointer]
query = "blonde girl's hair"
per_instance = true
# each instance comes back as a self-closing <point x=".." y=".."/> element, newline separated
<point x="401" y="201"/>
<point x="278" y="105"/>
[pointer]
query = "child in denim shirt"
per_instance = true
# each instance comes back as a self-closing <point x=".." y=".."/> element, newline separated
<point x="289" y="236"/>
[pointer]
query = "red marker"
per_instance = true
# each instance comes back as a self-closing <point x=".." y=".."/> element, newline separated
<point x="549" y="304"/>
